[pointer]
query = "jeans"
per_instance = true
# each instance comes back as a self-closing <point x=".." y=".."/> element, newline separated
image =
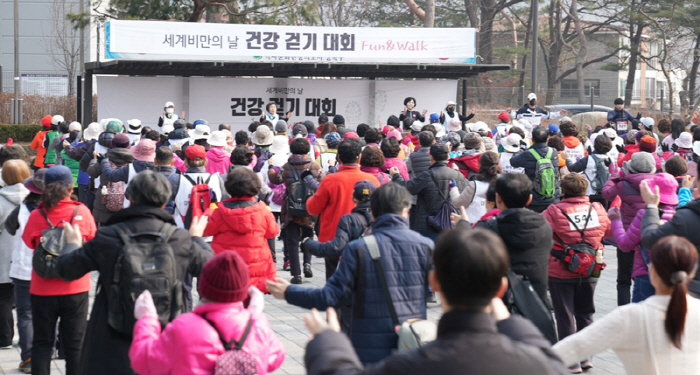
<point x="573" y="303"/>
<point x="293" y="235"/>
<point x="7" y="323"/>
<point x="23" y="305"/>
<point x="625" y="263"/>
<point x="46" y="310"/>
<point x="642" y="289"/>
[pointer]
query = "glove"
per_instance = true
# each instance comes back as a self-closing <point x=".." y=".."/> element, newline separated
<point x="453" y="183"/>
<point x="664" y="147"/>
<point x="590" y="150"/>
<point x="305" y="173"/>
<point x="620" y="149"/>
<point x="257" y="300"/>
<point x="523" y="145"/>
<point x="639" y="115"/>
<point x="614" y="213"/>
<point x="144" y="306"/>
<point x="674" y="147"/>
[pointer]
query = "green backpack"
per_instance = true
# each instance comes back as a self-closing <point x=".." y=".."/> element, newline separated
<point x="545" y="175"/>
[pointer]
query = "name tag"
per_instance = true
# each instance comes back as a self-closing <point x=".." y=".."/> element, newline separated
<point x="580" y="219"/>
<point x="622" y="126"/>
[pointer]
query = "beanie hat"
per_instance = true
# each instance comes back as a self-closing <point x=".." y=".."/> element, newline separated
<point x="120" y="141"/>
<point x="641" y="162"/>
<point x="472" y="141"/>
<point x="115" y="126"/>
<point x="332" y="139"/>
<point x="46" y="121"/>
<point x="281" y="126"/>
<point x="224" y="278"/>
<point x="647" y="144"/>
<point x="503" y="117"/>
<point x="489" y="144"/>
<point x="338" y="120"/>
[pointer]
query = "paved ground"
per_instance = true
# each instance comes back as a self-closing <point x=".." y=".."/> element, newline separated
<point x="287" y="322"/>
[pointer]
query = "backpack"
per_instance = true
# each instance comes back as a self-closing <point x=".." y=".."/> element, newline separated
<point x="601" y="177"/>
<point x="113" y="193"/>
<point x="297" y="195"/>
<point x="144" y="265"/>
<point x="200" y="199"/>
<point x="234" y="361"/>
<point x="579" y="257"/>
<point x="46" y="254"/>
<point x="545" y="174"/>
<point x="441" y="220"/>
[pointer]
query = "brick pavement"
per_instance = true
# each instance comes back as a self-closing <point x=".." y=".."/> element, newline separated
<point x="286" y="321"/>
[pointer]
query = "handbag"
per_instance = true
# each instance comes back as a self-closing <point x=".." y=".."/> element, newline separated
<point x="52" y="241"/>
<point x="413" y="333"/>
<point x="441" y="221"/>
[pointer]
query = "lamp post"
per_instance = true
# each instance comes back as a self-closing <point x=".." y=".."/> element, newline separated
<point x="535" y="28"/>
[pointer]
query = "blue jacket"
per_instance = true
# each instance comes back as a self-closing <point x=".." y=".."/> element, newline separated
<point x="406" y="259"/>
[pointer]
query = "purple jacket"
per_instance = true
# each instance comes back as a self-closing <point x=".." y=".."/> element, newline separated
<point x="629" y="240"/>
<point x="627" y="187"/>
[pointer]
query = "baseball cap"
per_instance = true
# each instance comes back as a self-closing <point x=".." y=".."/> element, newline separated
<point x="531" y="96"/>
<point x="58" y="173"/>
<point x="363" y="190"/>
<point x="434" y="117"/>
<point x="300" y="130"/>
<point x="195" y="152"/>
<point x="553" y="129"/>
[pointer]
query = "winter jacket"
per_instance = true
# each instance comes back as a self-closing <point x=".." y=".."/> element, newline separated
<point x="620" y="116"/>
<point x="378" y="173"/>
<point x="528" y="238"/>
<point x="685" y="223"/>
<point x="588" y="168"/>
<point x="190" y="345"/>
<point x="118" y="156"/>
<point x="350" y="228"/>
<point x="32" y="236"/>
<point x="468" y="342"/>
<point x="627" y="187"/>
<point x="286" y="176"/>
<point x="333" y="198"/>
<point x="398" y="163"/>
<point x="102" y="144"/>
<point x="629" y="151"/>
<point x="243" y="226"/>
<point x="576" y="208"/>
<point x="218" y="160"/>
<point x="489" y="214"/>
<point x="415" y="115"/>
<point x="37" y="144"/>
<point x="574" y="148"/>
<point x="418" y="162"/>
<point x="122" y="173"/>
<point x="525" y="159"/>
<point x="50" y="156"/>
<point x="21" y="267"/>
<point x="371" y="329"/>
<point x="468" y="164"/>
<point x="11" y="196"/>
<point x="104" y="350"/>
<point x="430" y="200"/>
<point x="75" y="152"/>
<point x="630" y="239"/>
<point x="414" y="139"/>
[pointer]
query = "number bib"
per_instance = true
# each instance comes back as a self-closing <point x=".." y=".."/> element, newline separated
<point x="579" y="217"/>
<point x="622" y="126"/>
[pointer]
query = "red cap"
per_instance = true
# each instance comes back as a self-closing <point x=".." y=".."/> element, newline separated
<point x="503" y="117"/>
<point x="350" y="135"/>
<point x="387" y="129"/>
<point x="46" y="121"/>
<point x="196" y="152"/>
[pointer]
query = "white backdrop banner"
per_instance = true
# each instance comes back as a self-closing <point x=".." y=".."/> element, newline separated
<point x="193" y="41"/>
<point x="239" y="101"/>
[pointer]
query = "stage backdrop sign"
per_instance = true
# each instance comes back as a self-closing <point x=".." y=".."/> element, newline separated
<point x="238" y="101"/>
<point x="194" y="41"/>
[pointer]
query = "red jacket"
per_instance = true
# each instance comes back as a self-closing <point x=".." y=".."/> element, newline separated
<point x="333" y="198"/>
<point x="32" y="235"/>
<point x="246" y="230"/>
<point x="415" y="140"/>
<point x="466" y="164"/>
<point x="38" y="144"/>
<point x="631" y="150"/>
<point x="594" y="232"/>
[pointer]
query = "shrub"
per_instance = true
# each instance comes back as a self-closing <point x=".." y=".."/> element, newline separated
<point x="19" y="133"/>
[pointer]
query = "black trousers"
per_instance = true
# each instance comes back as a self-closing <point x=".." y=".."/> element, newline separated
<point x="573" y="305"/>
<point x="72" y="309"/>
<point x="625" y="263"/>
<point x="293" y="235"/>
<point x="7" y="323"/>
<point x="331" y="265"/>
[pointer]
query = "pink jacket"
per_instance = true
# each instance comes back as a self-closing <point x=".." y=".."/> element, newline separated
<point x="189" y="345"/>
<point x="218" y="160"/>
<point x="398" y="163"/>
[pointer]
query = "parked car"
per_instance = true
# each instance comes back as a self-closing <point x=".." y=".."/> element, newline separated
<point x="574" y="109"/>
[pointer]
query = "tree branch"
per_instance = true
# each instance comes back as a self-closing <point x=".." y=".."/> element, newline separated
<point x="416" y="9"/>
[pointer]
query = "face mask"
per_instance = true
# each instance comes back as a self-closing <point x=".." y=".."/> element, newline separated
<point x="170" y="111"/>
<point x="450" y="109"/>
<point x="533" y="102"/>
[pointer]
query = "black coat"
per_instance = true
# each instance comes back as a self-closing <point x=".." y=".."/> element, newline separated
<point x="524" y="159"/>
<point x="528" y="238"/>
<point x="429" y="200"/>
<point x="350" y="228"/>
<point x="104" y="350"/>
<point x="467" y="343"/>
<point x="418" y="162"/>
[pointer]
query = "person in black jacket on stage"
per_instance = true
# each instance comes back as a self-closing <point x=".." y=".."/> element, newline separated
<point x="409" y="110"/>
<point x="475" y="336"/>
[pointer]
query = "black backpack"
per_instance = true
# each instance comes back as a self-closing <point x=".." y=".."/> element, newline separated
<point x="141" y="265"/>
<point x="297" y="195"/>
<point x="46" y="254"/>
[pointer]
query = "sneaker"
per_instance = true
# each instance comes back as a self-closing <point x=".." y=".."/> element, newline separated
<point x="26" y="366"/>
<point x="296" y="279"/>
<point x="587" y="364"/>
<point x="286" y="267"/>
<point x="307" y="271"/>
<point x="575" y="369"/>
<point x="5" y="347"/>
<point x="430" y="298"/>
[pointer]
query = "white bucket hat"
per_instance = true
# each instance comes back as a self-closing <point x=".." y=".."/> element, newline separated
<point x="685" y="140"/>
<point x="200" y="132"/>
<point x="134" y="126"/>
<point x="280" y="145"/>
<point x="479" y="125"/>
<point x="511" y="143"/>
<point x="217" y="138"/>
<point x="440" y="131"/>
<point x="92" y="131"/>
<point x="75" y="126"/>
<point x="262" y="136"/>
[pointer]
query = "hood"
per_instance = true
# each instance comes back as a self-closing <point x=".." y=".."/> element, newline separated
<point x="120" y="156"/>
<point x="471" y="162"/>
<point x="571" y="141"/>
<point x="372" y="170"/>
<point x="105" y="139"/>
<point x="299" y="159"/>
<point x="242" y="220"/>
<point x="217" y="154"/>
<point x="365" y="210"/>
<point x="636" y="178"/>
<point x="14" y="193"/>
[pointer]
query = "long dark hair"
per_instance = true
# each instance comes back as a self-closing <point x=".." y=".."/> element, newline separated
<point x="54" y="193"/>
<point x="675" y="260"/>
<point x="677" y="127"/>
<point x="489" y="168"/>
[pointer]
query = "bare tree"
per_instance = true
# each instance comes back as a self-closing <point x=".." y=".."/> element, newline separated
<point x="62" y="41"/>
<point x="579" y="54"/>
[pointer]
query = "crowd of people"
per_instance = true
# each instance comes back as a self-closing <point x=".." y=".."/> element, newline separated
<point x="425" y="209"/>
